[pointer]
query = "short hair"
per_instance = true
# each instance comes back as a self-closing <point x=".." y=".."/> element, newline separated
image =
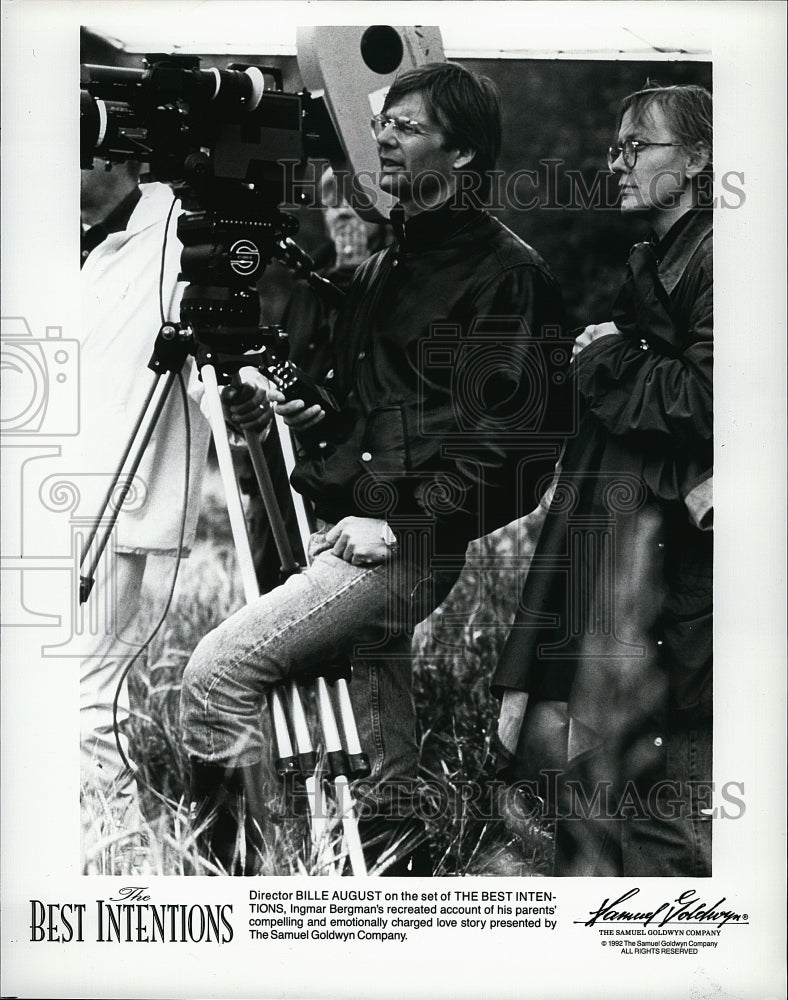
<point x="687" y="109"/>
<point x="467" y="107"/>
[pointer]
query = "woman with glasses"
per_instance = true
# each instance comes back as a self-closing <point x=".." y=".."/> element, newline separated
<point x="606" y="679"/>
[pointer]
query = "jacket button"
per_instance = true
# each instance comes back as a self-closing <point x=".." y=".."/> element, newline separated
<point x="362" y="355"/>
<point x="658" y="741"/>
<point x="322" y="444"/>
<point x="366" y="456"/>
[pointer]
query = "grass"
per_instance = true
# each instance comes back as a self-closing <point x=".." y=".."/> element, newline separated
<point x="455" y="651"/>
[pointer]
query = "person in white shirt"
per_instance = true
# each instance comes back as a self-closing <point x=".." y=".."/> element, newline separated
<point x="129" y="285"/>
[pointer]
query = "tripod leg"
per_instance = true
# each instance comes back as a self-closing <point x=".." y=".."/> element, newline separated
<point x="96" y="551"/>
<point x="286" y="762"/>
<point x="358" y="762"/>
<point x="338" y="768"/>
<point x="232" y="494"/>
<point x="275" y="519"/>
<point x="286" y="444"/>
<point x="119" y="470"/>
<point x="321" y="847"/>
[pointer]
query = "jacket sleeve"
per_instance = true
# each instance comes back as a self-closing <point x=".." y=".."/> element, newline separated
<point x="646" y="392"/>
<point x="334" y="364"/>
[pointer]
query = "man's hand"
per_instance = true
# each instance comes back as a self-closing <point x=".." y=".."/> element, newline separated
<point x="592" y="333"/>
<point x="297" y="414"/>
<point x="360" y="541"/>
<point x="248" y="406"/>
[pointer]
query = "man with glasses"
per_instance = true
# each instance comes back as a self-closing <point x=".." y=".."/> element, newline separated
<point x="608" y="709"/>
<point x="408" y="471"/>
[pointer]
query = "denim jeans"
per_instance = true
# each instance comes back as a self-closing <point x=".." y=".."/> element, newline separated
<point x="330" y="611"/>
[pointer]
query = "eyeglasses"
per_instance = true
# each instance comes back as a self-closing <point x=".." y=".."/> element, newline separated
<point x="629" y="151"/>
<point x="403" y="127"/>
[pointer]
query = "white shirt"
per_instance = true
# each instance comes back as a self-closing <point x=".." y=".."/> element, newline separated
<point x="120" y="322"/>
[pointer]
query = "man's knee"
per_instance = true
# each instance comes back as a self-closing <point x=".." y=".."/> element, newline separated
<point x="220" y="679"/>
<point x="200" y="673"/>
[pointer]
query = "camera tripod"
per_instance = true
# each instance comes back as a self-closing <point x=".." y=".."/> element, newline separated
<point x="219" y="313"/>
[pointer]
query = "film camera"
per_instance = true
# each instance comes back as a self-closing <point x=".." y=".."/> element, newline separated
<point x="226" y="141"/>
<point x="230" y="143"/>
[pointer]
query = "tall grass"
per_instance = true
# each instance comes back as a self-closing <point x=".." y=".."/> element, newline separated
<point x="455" y="651"/>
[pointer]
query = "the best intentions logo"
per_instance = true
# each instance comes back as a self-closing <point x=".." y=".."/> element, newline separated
<point x="131" y="917"/>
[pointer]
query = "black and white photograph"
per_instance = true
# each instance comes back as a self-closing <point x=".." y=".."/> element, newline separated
<point x="359" y="517"/>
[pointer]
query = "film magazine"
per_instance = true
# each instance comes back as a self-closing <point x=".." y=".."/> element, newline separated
<point x="107" y="889"/>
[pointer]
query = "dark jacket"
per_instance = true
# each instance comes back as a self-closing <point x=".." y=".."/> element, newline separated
<point x="450" y="367"/>
<point x="616" y="614"/>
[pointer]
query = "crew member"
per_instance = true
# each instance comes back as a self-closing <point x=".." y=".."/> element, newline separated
<point x="616" y="690"/>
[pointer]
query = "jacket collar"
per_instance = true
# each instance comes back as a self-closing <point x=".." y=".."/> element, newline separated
<point x="678" y="247"/>
<point x="116" y="220"/>
<point x="152" y="207"/>
<point x="145" y="206"/>
<point x="431" y="228"/>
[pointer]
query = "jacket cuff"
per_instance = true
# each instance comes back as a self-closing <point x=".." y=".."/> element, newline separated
<point x="700" y="504"/>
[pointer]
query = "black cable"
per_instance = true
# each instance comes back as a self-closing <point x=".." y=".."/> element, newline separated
<point x="164" y="260"/>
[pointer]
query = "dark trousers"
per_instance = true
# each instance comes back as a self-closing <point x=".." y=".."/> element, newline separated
<point x="663" y="826"/>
